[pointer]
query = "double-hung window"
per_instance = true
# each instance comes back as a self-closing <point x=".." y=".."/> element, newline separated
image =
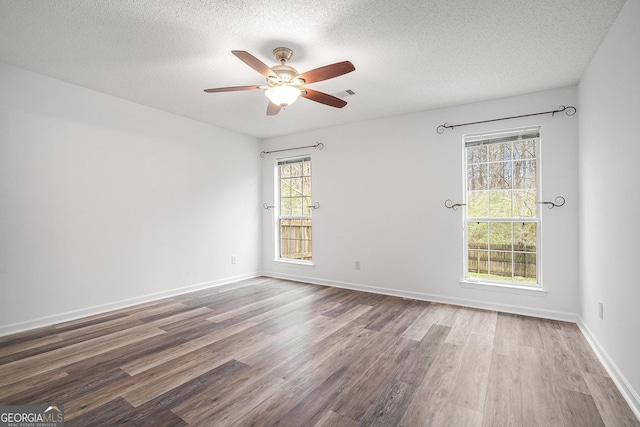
<point x="502" y="224"/>
<point x="293" y="186"/>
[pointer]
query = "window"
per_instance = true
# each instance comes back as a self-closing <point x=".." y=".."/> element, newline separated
<point x="293" y="186"/>
<point x="502" y="224"/>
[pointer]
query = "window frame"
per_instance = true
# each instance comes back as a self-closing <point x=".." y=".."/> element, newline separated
<point x="491" y="283"/>
<point x="278" y="214"/>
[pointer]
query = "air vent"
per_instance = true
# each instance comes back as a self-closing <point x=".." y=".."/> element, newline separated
<point x="344" y="93"/>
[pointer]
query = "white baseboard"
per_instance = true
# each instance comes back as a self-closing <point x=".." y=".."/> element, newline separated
<point x="627" y="390"/>
<point x="485" y="305"/>
<point x="116" y="305"/>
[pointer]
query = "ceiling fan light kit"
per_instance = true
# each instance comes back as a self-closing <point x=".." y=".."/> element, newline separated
<point x="285" y="84"/>
<point x="283" y="95"/>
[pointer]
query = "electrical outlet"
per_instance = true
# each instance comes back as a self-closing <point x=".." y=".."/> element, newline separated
<point x="233" y="259"/>
<point x="601" y="310"/>
<point x="357" y="265"/>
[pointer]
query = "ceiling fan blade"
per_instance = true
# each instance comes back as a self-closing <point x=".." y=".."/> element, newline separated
<point x="327" y="72"/>
<point x="323" y="98"/>
<point x="273" y="109"/>
<point x="231" y="89"/>
<point x="254" y="63"/>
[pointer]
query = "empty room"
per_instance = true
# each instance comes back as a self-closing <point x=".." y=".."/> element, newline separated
<point x="349" y="213"/>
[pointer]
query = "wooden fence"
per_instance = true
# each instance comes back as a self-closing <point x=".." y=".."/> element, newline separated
<point x="295" y="239"/>
<point x="498" y="262"/>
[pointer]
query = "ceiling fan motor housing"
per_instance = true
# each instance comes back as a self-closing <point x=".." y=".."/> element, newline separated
<point x="282" y="54"/>
<point x="286" y="75"/>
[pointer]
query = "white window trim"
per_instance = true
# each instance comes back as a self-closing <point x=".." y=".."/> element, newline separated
<point x="504" y="287"/>
<point x="499" y="286"/>
<point x="293" y="262"/>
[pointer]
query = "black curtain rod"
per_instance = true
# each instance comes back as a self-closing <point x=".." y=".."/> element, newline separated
<point x="318" y="145"/>
<point x="569" y="111"/>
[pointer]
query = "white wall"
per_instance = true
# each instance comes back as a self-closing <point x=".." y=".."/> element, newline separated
<point x="105" y="202"/>
<point x="609" y="229"/>
<point x="382" y="184"/>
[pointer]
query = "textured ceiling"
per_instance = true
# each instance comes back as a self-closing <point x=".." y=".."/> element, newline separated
<point x="410" y="55"/>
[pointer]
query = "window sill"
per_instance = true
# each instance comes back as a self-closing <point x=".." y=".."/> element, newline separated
<point x="302" y="264"/>
<point x="499" y="287"/>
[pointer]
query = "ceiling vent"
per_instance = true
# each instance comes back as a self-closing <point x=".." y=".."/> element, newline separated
<point x="344" y="93"/>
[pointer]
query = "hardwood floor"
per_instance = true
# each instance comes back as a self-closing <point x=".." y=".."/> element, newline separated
<point x="265" y="351"/>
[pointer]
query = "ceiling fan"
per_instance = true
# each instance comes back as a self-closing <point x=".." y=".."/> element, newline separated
<point x="285" y="84"/>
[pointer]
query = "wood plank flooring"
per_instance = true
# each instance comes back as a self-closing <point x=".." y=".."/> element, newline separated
<point x="268" y="352"/>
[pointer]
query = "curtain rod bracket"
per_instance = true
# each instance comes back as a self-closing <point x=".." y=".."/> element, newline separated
<point x="559" y="201"/>
<point x="450" y="205"/>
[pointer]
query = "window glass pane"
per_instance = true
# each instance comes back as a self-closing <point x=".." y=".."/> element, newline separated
<point x="285" y="206"/>
<point x="500" y="175"/>
<point x="306" y="203"/>
<point x="500" y="203"/>
<point x="296" y="186"/>
<point x="478" y="235"/>
<point x="306" y="255"/>
<point x="524" y="149"/>
<point x="306" y="224"/>
<point x="524" y="268"/>
<point x="285" y="250"/>
<point x="306" y="186"/>
<point x="525" y="236"/>
<point x="499" y="151"/>
<point x="501" y="236"/>
<point x="525" y="204"/>
<point x="306" y="169"/>
<point x="477" y="177"/>
<point x="297" y="206"/>
<point x="478" y="263"/>
<point x="524" y="174"/>
<point x="478" y="204"/>
<point x="285" y="188"/>
<point x="296" y="170"/>
<point x="500" y="265"/>
<point x="477" y="154"/>
<point x="296" y="249"/>
<point x="285" y="171"/>
<point x="285" y="224"/>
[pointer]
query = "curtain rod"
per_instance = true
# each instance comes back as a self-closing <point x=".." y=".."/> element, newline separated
<point x="569" y="111"/>
<point x="318" y="145"/>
